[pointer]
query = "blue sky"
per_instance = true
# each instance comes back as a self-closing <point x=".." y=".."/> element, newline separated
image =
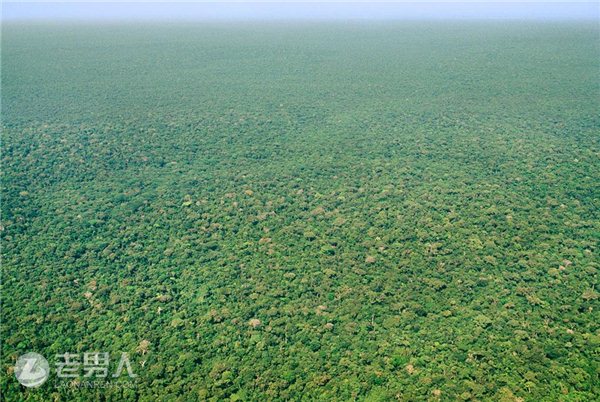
<point x="337" y="10"/>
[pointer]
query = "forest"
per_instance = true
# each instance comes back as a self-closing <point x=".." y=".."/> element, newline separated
<point x="274" y="212"/>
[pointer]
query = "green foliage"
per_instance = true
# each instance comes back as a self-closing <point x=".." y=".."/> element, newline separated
<point x="337" y="212"/>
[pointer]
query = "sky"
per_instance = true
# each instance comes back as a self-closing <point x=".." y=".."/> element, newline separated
<point x="289" y="10"/>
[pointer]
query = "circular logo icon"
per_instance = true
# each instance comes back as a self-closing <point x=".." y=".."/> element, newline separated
<point x="32" y="370"/>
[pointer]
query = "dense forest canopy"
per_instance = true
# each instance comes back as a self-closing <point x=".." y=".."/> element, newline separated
<point x="370" y="212"/>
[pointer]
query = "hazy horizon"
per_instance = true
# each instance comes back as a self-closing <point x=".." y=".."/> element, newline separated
<point x="253" y="11"/>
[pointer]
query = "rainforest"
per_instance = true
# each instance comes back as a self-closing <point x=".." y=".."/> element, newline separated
<point x="345" y="211"/>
